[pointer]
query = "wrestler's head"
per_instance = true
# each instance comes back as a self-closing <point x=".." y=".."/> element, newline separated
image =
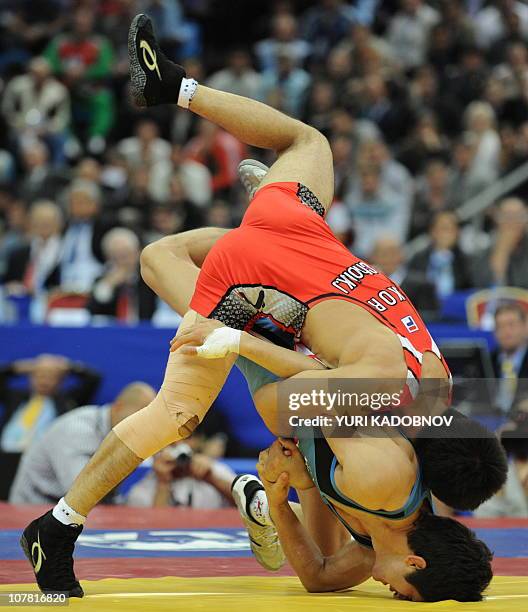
<point x="445" y="560"/>
<point x="463" y="464"/>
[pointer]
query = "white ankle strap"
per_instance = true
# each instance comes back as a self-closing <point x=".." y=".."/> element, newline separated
<point x="187" y="90"/>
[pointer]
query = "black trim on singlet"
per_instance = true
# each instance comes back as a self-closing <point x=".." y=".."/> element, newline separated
<point x="308" y="198"/>
<point x="231" y="287"/>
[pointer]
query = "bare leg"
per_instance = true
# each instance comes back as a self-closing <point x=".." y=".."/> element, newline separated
<point x="189" y="388"/>
<point x="304" y="153"/>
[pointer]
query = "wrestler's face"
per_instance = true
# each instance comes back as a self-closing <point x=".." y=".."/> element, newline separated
<point x="391" y="569"/>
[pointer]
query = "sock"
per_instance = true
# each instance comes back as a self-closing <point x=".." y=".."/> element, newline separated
<point x="258" y="508"/>
<point x="66" y="515"/>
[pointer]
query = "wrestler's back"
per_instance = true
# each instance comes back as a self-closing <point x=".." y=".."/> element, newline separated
<point x="342" y="333"/>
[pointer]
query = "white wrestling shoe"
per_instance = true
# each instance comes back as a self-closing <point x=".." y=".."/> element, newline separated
<point x="263" y="538"/>
<point x="251" y="172"/>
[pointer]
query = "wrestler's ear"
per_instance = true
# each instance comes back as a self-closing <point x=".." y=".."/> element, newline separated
<point x="416" y="562"/>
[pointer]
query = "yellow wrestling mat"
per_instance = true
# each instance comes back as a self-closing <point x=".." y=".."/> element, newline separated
<point x="265" y="595"/>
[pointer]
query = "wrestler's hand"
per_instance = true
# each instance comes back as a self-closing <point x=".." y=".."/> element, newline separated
<point x="284" y="456"/>
<point x="209" y="339"/>
<point x="276" y="492"/>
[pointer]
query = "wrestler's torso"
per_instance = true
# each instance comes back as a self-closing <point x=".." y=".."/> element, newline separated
<point x="395" y="451"/>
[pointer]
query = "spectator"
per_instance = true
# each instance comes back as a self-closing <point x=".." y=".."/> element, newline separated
<point x="287" y="87"/>
<point x="238" y="76"/>
<point x="375" y="210"/>
<point x="82" y="256"/>
<point x="180" y="38"/>
<point x="467" y="178"/>
<point x="84" y="61"/>
<point x="491" y="21"/>
<point x="219" y="152"/>
<point x="283" y="37"/>
<point x="41" y="181"/>
<point x="39" y="104"/>
<point x="510" y="358"/>
<point x="29" y="411"/>
<point x="34" y="266"/>
<point x="50" y="465"/>
<point x="194" y="176"/>
<point x="121" y="292"/>
<point x="146" y="148"/>
<point x="480" y="122"/>
<point x="326" y="25"/>
<point x="388" y="257"/>
<point x="182" y="477"/>
<point x="443" y="263"/>
<point x="409" y="30"/>
<point x="432" y="196"/>
<point x="506" y="262"/>
<point x="512" y="499"/>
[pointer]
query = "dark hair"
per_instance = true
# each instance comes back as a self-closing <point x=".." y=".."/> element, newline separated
<point x="463" y="464"/>
<point x="458" y="563"/>
<point x="511" y="306"/>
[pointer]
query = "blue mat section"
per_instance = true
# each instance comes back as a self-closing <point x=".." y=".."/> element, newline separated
<point x="511" y="543"/>
<point x="94" y="543"/>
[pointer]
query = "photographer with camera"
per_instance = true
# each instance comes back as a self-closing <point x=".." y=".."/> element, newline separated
<point x="183" y="476"/>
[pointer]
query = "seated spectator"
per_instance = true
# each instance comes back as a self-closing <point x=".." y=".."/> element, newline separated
<point x="492" y="20"/>
<point x="433" y="195"/>
<point x="409" y="30"/>
<point x="50" y="465"/>
<point x="512" y="499"/>
<point x="443" y="263"/>
<point x="195" y="178"/>
<point x="510" y="358"/>
<point x="35" y="265"/>
<point x="388" y="257"/>
<point x="425" y="144"/>
<point x="376" y="211"/>
<point x="284" y="37"/>
<point x="184" y="476"/>
<point x="180" y="37"/>
<point x="145" y="148"/>
<point x="41" y="180"/>
<point x="238" y="77"/>
<point x="121" y="292"/>
<point x="287" y="87"/>
<point x="29" y="411"/>
<point x="82" y="257"/>
<point x="84" y="61"/>
<point x="39" y="104"/>
<point x="219" y="152"/>
<point x="15" y="220"/>
<point x="480" y="123"/>
<point x="325" y="25"/>
<point x="467" y="178"/>
<point x="506" y="261"/>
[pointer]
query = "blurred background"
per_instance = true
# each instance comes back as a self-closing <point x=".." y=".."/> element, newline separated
<point x="425" y="105"/>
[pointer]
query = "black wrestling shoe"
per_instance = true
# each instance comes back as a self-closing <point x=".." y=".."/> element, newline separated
<point x="48" y="544"/>
<point x="155" y="79"/>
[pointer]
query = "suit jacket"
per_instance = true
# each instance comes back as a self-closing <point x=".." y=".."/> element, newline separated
<point x="17" y="264"/>
<point x="79" y="394"/>
<point x="144" y="297"/>
<point x="461" y="267"/>
<point x="521" y="391"/>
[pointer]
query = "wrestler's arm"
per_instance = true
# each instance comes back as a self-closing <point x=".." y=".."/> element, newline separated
<point x="170" y="266"/>
<point x="349" y="566"/>
<point x="282" y="362"/>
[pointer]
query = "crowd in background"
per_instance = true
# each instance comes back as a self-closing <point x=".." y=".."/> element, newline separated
<point x="425" y="105"/>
